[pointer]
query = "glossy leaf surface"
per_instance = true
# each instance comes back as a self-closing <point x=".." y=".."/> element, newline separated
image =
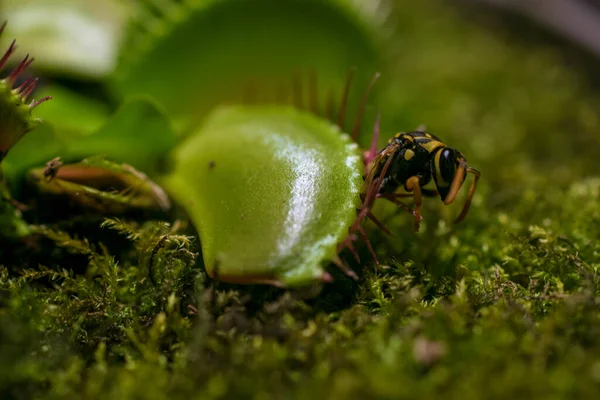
<point x="271" y="191"/>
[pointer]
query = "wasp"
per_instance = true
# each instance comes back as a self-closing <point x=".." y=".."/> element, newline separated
<point x="410" y="160"/>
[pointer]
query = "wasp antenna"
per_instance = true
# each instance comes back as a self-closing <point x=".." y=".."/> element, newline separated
<point x="363" y="106"/>
<point x="470" y="195"/>
<point x="456" y="183"/>
<point x="297" y="90"/>
<point x="344" y="102"/>
<point x="313" y="93"/>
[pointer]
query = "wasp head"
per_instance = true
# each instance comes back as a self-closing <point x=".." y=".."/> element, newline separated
<point x="449" y="173"/>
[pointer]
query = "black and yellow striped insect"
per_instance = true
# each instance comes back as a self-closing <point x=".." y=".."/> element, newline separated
<point x="410" y="160"/>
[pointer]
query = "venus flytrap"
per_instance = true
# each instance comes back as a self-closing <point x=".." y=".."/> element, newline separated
<point x="273" y="190"/>
<point x="315" y="171"/>
<point x="16" y="120"/>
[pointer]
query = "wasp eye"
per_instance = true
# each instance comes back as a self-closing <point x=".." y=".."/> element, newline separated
<point x="448" y="164"/>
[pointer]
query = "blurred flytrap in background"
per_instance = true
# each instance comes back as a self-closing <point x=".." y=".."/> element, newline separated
<point x="193" y="55"/>
<point x="69" y="37"/>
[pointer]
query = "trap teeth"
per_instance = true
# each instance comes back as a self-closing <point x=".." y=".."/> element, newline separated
<point x="16" y="115"/>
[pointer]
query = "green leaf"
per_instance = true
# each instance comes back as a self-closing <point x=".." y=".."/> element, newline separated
<point x="70" y="112"/>
<point x="139" y="133"/>
<point x="35" y="149"/>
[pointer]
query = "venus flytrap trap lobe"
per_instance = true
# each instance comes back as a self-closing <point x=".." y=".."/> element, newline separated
<point x="269" y="179"/>
<point x="100" y="185"/>
<point x="271" y="189"/>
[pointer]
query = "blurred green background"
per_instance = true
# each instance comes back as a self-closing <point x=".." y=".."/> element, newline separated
<point x="503" y="305"/>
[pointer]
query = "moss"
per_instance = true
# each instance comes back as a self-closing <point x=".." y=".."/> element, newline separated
<point x="504" y="305"/>
<point x="517" y="316"/>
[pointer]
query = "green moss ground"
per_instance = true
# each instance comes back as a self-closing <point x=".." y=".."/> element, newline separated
<point x="505" y="305"/>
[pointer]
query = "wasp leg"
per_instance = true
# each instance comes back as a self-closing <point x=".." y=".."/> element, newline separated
<point x="393" y="197"/>
<point x="375" y="186"/>
<point x="368" y="199"/>
<point x="370" y="196"/>
<point x="412" y="184"/>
